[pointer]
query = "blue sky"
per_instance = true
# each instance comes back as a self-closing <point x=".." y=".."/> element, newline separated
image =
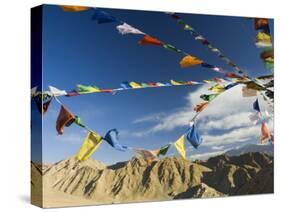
<point x="77" y="50"/>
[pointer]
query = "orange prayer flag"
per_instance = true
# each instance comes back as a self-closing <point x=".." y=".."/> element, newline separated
<point x="64" y="117"/>
<point x="148" y="40"/>
<point x="67" y="8"/>
<point x="189" y="60"/>
<point x="201" y="106"/>
<point x="265" y="134"/>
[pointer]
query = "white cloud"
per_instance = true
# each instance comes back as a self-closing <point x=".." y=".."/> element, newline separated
<point x="229" y="113"/>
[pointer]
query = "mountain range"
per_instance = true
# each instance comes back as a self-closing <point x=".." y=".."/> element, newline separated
<point x="136" y="180"/>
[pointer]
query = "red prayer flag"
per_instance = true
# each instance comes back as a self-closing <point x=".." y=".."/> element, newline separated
<point x="148" y="40"/>
<point x="64" y="117"/>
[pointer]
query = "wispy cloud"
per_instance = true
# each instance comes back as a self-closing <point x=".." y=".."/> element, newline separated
<point x="228" y="114"/>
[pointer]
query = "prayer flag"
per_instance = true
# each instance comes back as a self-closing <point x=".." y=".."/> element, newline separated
<point x="265" y="134"/>
<point x="57" y="92"/>
<point x="163" y="150"/>
<point x="180" y="146"/>
<point x="201" y="106"/>
<point x="87" y="89"/>
<point x="63" y="118"/>
<point x="189" y="60"/>
<point x="125" y="85"/>
<point x="217" y="88"/>
<point x="256" y="105"/>
<point x="248" y="92"/>
<point x="264" y="37"/>
<point x="148" y="40"/>
<point x="135" y="85"/>
<point x="208" y="97"/>
<point x="172" y="48"/>
<point x="67" y="8"/>
<point x="111" y="137"/>
<point x="102" y="17"/>
<point x="127" y="29"/>
<point x="42" y="102"/>
<point x="89" y="146"/>
<point x="260" y="23"/>
<point x="193" y="136"/>
<point x="148" y="155"/>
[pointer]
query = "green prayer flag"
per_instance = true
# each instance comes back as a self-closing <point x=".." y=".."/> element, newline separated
<point x="208" y="97"/>
<point x="163" y="150"/>
<point x="171" y="47"/>
<point x="77" y="120"/>
<point x="181" y="22"/>
<point x="269" y="65"/>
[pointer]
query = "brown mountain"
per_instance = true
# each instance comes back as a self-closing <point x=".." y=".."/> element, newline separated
<point x="169" y="178"/>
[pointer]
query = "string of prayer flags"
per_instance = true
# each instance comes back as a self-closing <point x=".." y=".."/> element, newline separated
<point x="163" y="150"/>
<point x="57" y="92"/>
<point x="102" y="17"/>
<point x="112" y="138"/>
<point x="180" y="146"/>
<point x="264" y="41"/>
<point x="67" y="8"/>
<point x="189" y="60"/>
<point x="89" y="146"/>
<point x="208" y="97"/>
<point x="205" y="42"/>
<point x="201" y="106"/>
<point x="128" y="29"/>
<point x="148" y="40"/>
<point x="64" y="117"/>
<point x="265" y="134"/>
<point x="193" y="136"/>
<point x="174" y="82"/>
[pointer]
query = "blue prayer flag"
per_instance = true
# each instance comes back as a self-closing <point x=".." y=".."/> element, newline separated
<point x="112" y="138"/>
<point x="126" y="85"/>
<point x="102" y="17"/>
<point x="256" y="106"/>
<point x="193" y="136"/>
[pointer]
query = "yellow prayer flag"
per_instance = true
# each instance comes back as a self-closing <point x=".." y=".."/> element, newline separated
<point x="261" y="36"/>
<point x="189" y="60"/>
<point x="173" y="82"/>
<point x="135" y="85"/>
<point x="180" y="146"/>
<point x="217" y="88"/>
<point x="89" y="146"/>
